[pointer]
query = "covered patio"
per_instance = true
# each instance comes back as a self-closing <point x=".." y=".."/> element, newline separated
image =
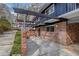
<point x="42" y="46"/>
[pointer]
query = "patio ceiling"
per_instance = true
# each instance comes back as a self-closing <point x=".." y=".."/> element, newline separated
<point x="22" y="11"/>
<point x="47" y="22"/>
<point x="52" y="21"/>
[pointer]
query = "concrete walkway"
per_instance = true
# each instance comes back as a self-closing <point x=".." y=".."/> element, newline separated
<point x="6" y="42"/>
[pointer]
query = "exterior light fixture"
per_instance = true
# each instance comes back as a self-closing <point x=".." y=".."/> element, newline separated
<point x="33" y="28"/>
<point x="56" y="25"/>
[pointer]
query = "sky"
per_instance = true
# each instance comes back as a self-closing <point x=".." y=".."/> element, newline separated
<point x="17" y="5"/>
<point x="21" y="5"/>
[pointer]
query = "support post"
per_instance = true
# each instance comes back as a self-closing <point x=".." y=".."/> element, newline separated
<point x="24" y="40"/>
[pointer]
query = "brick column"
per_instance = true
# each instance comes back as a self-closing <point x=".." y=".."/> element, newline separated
<point x="24" y="44"/>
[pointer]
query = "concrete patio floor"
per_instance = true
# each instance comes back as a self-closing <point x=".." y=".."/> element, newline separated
<point x="39" y="47"/>
<point x="42" y="48"/>
<point x="6" y="42"/>
<point x="72" y="50"/>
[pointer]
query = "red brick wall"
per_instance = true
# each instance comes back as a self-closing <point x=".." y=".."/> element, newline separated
<point x="31" y="33"/>
<point x="46" y="35"/>
<point x="63" y="33"/>
<point x="23" y="43"/>
<point x="59" y="34"/>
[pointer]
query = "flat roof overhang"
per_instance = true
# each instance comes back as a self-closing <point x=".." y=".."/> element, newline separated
<point x="55" y="20"/>
<point x="51" y="22"/>
<point x="41" y="25"/>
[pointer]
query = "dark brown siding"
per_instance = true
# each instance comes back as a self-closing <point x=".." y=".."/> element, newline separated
<point x="73" y="32"/>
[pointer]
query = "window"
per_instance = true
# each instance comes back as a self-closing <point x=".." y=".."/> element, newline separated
<point x="47" y="29"/>
<point x="77" y="5"/>
<point x="50" y="10"/>
<point x="50" y="29"/>
<point x="71" y="6"/>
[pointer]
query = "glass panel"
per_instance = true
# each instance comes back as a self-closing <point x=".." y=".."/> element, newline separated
<point x="50" y="29"/>
<point x="50" y="10"/>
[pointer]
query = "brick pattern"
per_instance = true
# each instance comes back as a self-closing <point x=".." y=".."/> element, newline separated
<point x="31" y="33"/>
<point x="23" y="44"/>
<point x="60" y="30"/>
<point x="59" y="34"/>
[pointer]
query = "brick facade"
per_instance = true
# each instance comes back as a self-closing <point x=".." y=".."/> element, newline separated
<point x="59" y="34"/>
<point x="63" y="33"/>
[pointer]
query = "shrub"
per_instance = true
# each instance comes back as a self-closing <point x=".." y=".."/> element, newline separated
<point x="4" y="24"/>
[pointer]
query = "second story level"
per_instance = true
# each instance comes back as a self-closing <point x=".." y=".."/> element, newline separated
<point x="57" y="9"/>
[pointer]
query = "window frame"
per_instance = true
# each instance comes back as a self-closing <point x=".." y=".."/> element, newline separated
<point x="50" y="28"/>
<point x="50" y="10"/>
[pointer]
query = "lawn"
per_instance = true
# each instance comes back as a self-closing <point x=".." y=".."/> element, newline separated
<point x="16" y="49"/>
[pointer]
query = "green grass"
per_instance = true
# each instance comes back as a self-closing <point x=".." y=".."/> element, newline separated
<point x="16" y="49"/>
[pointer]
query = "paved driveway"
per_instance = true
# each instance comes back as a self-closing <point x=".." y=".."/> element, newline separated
<point x="6" y="42"/>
